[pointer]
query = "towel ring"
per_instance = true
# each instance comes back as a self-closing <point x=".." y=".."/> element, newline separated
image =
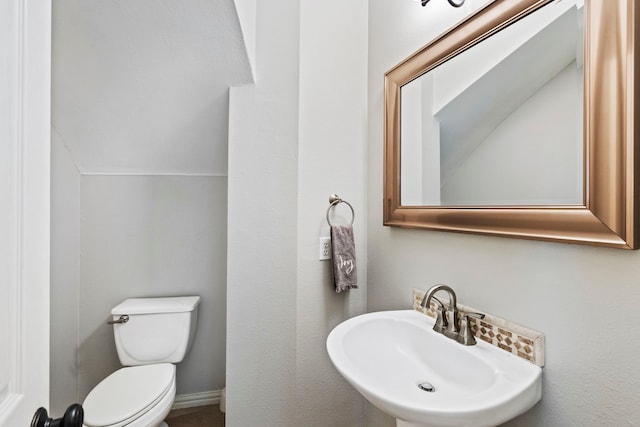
<point x="335" y="200"/>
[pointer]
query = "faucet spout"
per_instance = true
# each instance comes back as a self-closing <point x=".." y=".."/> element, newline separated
<point x="452" y="330"/>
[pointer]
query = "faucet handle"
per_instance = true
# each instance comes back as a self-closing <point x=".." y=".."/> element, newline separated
<point x="423" y="303"/>
<point x="441" y="316"/>
<point x="465" y="337"/>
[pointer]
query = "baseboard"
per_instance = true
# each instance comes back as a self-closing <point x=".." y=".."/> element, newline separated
<point x="197" y="399"/>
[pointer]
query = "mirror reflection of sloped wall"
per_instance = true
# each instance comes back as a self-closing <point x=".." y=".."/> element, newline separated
<point x="532" y="125"/>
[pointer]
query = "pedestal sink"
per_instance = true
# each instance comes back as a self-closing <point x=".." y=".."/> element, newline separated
<point x="423" y="378"/>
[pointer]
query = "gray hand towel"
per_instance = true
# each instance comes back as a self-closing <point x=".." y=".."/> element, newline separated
<point x="343" y="257"/>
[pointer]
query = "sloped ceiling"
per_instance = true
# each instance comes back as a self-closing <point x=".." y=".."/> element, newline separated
<point x="142" y="86"/>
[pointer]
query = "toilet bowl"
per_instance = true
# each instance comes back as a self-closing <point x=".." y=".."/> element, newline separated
<point x="133" y="396"/>
<point x="157" y="333"/>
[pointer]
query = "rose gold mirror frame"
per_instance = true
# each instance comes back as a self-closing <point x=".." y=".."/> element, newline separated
<point x="611" y="75"/>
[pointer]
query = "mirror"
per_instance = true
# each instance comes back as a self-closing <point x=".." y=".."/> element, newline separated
<point x="465" y="142"/>
<point x="567" y="175"/>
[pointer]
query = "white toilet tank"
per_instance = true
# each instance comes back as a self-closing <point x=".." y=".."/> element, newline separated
<point x="158" y="330"/>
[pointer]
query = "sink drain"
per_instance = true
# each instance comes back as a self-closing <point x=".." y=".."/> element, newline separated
<point x="428" y="387"/>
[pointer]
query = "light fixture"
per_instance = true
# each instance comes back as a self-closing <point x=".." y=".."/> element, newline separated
<point x="453" y="3"/>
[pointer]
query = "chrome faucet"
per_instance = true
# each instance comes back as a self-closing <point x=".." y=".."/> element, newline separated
<point x="448" y="328"/>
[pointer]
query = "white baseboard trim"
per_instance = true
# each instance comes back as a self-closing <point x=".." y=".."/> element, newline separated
<point x="197" y="399"/>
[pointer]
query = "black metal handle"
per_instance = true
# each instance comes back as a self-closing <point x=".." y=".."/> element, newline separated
<point x="73" y="417"/>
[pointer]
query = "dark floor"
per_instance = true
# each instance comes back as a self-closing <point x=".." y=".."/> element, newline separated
<point x="200" y="416"/>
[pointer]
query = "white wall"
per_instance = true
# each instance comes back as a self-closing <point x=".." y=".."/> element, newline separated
<point x="152" y="236"/>
<point x="297" y="136"/>
<point x="332" y="146"/>
<point x="121" y="236"/>
<point x="583" y="298"/>
<point x="263" y="211"/>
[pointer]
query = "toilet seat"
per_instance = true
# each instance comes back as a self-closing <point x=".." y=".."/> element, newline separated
<point x="127" y="394"/>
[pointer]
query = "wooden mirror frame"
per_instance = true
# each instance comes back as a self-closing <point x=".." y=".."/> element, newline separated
<point x="611" y="76"/>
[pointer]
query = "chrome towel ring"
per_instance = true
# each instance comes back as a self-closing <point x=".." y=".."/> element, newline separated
<point x="335" y="200"/>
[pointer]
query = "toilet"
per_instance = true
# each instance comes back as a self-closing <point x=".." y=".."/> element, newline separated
<point x="151" y="335"/>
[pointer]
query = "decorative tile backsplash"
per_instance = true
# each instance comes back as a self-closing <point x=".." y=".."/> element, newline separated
<point x="523" y="342"/>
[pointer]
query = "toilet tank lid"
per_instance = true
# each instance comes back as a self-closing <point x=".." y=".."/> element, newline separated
<point x="156" y="305"/>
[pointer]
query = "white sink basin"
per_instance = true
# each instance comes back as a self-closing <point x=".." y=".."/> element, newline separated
<point x="386" y="355"/>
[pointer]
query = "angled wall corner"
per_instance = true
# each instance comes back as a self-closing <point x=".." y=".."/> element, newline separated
<point x="65" y="280"/>
<point x="295" y="137"/>
<point x="246" y="10"/>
